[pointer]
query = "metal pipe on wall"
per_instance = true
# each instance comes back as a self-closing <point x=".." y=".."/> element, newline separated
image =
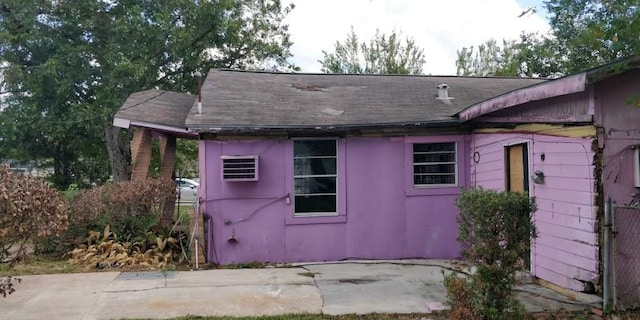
<point x="614" y="282"/>
<point x="606" y="255"/>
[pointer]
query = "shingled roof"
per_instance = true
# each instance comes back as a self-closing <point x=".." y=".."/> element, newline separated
<point x="160" y="109"/>
<point x="253" y="101"/>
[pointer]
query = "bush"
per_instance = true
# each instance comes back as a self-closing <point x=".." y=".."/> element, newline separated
<point x="28" y="208"/>
<point x="495" y="231"/>
<point x="106" y="250"/>
<point x="131" y="208"/>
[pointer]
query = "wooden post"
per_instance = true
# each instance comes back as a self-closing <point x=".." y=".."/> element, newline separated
<point x="167" y="146"/>
<point x="140" y="153"/>
<point x="167" y="155"/>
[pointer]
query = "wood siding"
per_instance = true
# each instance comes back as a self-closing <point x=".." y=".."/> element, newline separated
<point x="620" y="120"/>
<point x="568" y="108"/>
<point x="566" y="250"/>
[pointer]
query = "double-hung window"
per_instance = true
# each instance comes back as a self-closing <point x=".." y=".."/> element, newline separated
<point x="315" y="176"/>
<point x="434" y="164"/>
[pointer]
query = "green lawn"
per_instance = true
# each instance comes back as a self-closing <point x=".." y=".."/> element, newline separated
<point x="374" y="316"/>
<point x="40" y="265"/>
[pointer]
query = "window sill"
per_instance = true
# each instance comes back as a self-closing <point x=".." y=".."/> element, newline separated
<point x="299" y="220"/>
<point x="433" y="190"/>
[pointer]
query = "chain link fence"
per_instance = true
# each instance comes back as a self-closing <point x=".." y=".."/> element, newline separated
<point x="626" y="231"/>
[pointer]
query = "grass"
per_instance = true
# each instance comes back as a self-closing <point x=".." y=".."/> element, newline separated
<point x="182" y="210"/>
<point x="44" y="264"/>
<point x="560" y="315"/>
<point x="39" y="264"/>
<point x="373" y="316"/>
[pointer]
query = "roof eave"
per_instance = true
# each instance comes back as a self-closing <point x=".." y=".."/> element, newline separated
<point x="243" y="129"/>
<point x="126" y="123"/>
<point x="563" y="86"/>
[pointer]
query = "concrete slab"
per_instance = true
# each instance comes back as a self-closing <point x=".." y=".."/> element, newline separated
<point x="536" y="298"/>
<point x="395" y="287"/>
<point x="245" y="292"/>
<point x="331" y="288"/>
<point x="379" y="287"/>
<point x="58" y="296"/>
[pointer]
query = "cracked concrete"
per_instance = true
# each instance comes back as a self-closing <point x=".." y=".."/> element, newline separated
<point x="332" y="288"/>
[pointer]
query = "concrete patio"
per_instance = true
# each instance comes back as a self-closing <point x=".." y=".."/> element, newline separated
<point x="405" y="286"/>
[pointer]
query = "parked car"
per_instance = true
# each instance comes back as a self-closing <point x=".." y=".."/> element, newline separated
<point x="187" y="190"/>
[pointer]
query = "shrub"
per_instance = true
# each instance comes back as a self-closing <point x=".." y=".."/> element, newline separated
<point x="131" y="208"/>
<point x="28" y="208"/>
<point x="495" y="231"/>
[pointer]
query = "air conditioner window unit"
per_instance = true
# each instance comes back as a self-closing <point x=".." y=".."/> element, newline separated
<point x="239" y="168"/>
<point x="636" y="166"/>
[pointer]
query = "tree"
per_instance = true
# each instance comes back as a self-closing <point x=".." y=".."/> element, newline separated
<point x="584" y="34"/>
<point x="594" y="32"/>
<point x="71" y="64"/>
<point x="488" y="60"/>
<point x="382" y="55"/>
<point x="532" y="56"/>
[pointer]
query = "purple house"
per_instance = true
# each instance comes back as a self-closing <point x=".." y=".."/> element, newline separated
<point x="317" y="167"/>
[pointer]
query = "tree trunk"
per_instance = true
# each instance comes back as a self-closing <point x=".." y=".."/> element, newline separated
<point x="62" y="175"/>
<point x="119" y="153"/>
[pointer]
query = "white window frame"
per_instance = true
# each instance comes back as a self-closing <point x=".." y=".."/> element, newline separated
<point x="337" y="174"/>
<point x="455" y="165"/>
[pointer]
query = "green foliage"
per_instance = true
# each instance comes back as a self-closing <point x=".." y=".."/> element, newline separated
<point x="69" y="65"/>
<point x="132" y="208"/>
<point x="594" y="32"/>
<point x="382" y="55"/>
<point x="28" y="208"/>
<point x="584" y="34"/>
<point x="532" y="56"/>
<point x="495" y="231"/>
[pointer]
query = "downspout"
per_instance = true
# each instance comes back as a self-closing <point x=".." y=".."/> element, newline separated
<point x="196" y="214"/>
<point x="614" y="281"/>
<point x="606" y="256"/>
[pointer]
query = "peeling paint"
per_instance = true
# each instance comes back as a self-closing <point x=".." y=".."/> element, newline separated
<point x="547" y="129"/>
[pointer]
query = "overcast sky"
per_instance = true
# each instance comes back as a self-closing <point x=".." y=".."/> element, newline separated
<point x="440" y="27"/>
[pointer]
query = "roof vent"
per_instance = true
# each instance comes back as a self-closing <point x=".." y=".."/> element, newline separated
<point x="443" y="93"/>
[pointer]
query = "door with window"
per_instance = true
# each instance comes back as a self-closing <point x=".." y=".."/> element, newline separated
<point x="517" y="178"/>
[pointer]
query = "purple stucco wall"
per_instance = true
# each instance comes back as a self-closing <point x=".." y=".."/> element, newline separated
<point x="566" y="250"/>
<point x="620" y="121"/>
<point x="381" y="214"/>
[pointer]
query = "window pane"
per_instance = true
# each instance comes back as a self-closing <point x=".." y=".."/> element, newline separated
<point x="434" y="179"/>
<point x="315" y="185"/>
<point x="434" y="163"/>
<point x="434" y="147"/>
<point x="435" y="157"/>
<point x="307" y="148"/>
<point x="325" y="203"/>
<point x="435" y="168"/>
<point x="314" y="166"/>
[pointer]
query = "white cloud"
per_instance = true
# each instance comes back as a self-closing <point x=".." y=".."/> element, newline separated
<point x="440" y="27"/>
